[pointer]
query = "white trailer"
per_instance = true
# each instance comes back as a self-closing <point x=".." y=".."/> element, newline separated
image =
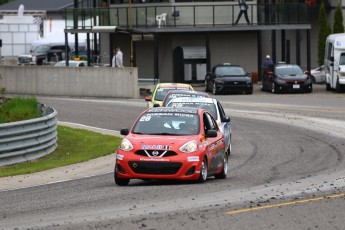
<point x="335" y="62"/>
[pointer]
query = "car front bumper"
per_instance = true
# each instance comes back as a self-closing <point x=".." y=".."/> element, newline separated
<point x="290" y="87"/>
<point x="130" y="166"/>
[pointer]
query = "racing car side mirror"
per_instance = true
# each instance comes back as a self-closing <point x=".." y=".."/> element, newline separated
<point x="124" y="131"/>
<point x="148" y="98"/>
<point x="211" y="133"/>
<point x="226" y="119"/>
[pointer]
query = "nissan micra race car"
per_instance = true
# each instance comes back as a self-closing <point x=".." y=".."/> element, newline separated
<point x="162" y="89"/>
<point x="171" y="143"/>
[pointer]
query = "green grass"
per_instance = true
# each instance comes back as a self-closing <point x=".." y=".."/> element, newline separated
<point x="74" y="146"/>
<point x="18" y="109"/>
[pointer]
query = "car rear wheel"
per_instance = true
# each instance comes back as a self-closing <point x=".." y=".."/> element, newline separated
<point x="120" y="181"/>
<point x="229" y="147"/>
<point x="214" y="89"/>
<point x="328" y="87"/>
<point x="203" y="171"/>
<point x="224" y="172"/>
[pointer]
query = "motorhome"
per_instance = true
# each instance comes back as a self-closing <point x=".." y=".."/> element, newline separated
<point x="335" y="62"/>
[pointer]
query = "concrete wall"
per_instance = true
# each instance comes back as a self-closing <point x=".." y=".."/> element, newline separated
<point x="69" y="81"/>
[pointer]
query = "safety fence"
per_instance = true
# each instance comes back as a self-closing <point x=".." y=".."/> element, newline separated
<point x="30" y="139"/>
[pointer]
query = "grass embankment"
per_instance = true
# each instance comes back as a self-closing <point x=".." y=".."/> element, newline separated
<point x="18" y="109"/>
<point x="74" y="146"/>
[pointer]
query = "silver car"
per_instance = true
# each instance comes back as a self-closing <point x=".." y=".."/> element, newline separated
<point x="318" y="75"/>
<point x="214" y="107"/>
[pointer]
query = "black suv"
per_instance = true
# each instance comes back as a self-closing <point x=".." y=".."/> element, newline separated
<point x="43" y="54"/>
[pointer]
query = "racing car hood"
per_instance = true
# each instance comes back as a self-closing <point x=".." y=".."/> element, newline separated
<point x="140" y="141"/>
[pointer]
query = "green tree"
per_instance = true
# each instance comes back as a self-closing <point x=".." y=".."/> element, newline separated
<point x="4" y="1"/>
<point x="338" y="26"/>
<point x="324" y="31"/>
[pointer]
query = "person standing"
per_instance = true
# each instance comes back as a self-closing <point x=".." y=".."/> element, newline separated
<point x="268" y="66"/>
<point x="268" y="63"/>
<point x="117" y="60"/>
<point x="243" y="10"/>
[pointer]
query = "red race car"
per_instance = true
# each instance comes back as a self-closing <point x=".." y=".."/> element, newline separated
<point x="171" y="143"/>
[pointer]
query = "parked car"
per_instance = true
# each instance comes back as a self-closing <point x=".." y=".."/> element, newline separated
<point x="174" y="144"/>
<point x="318" y="75"/>
<point x="214" y="107"/>
<point x="286" y="78"/>
<point x="172" y="94"/>
<point x="228" y="78"/>
<point x="43" y="54"/>
<point x="72" y="63"/>
<point x="161" y="89"/>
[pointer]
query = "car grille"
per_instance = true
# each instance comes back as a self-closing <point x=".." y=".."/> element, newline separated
<point x="24" y="60"/>
<point x="159" y="168"/>
<point x="294" y="82"/>
<point x="155" y="153"/>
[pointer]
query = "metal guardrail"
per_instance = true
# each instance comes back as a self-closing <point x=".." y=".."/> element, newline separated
<point x="30" y="139"/>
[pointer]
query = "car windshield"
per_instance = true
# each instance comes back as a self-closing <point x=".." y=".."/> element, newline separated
<point x="342" y="59"/>
<point x="202" y="105"/>
<point x="41" y="49"/>
<point x="167" y="123"/>
<point x="162" y="92"/>
<point x="229" y="71"/>
<point x="288" y="70"/>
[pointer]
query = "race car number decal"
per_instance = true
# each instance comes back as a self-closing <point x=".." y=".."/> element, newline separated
<point x="145" y="118"/>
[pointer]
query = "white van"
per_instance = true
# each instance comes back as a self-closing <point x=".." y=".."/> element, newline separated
<point x="335" y="62"/>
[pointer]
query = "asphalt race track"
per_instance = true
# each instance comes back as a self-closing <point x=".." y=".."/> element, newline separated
<point x="286" y="171"/>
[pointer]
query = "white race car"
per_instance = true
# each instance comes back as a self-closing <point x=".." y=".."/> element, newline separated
<point x="214" y="107"/>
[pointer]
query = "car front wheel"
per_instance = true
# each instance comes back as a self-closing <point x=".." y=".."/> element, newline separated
<point x="273" y="89"/>
<point x="203" y="171"/>
<point x="206" y="86"/>
<point x="120" y="181"/>
<point x="214" y="89"/>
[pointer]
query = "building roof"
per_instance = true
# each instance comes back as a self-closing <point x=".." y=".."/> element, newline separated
<point x="49" y="6"/>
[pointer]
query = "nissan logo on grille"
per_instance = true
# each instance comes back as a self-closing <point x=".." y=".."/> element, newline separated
<point x="155" y="153"/>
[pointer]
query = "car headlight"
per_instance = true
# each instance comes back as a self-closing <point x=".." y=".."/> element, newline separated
<point x="189" y="147"/>
<point x="126" y="145"/>
<point x="34" y="58"/>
